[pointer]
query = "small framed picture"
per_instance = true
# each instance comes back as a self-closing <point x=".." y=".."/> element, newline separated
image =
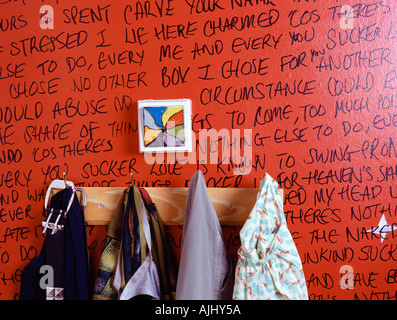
<point x="165" y="125"/>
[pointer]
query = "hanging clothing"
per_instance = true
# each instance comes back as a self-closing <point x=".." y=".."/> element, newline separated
<point x="268" y="266"/>
<point x="205" y="270"/>
<point x="77" y="269"/>
<point x="65" y="250"/>
<point x="103" y="288"/>
<point x="134" y="248"/>
<point x="30" y="279"/>
<point x="126" y="250"/>
<point x="162" y="253"/>
<point x="144" y="282"/>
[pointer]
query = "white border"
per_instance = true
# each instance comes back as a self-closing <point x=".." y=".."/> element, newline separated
<point x="187" y="106"/>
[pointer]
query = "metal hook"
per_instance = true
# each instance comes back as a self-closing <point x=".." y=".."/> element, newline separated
<point x="55" y="229"/>
<point x="64" y="179"/>
<point x="45" y="224"/>
<point x="131" y="182"/>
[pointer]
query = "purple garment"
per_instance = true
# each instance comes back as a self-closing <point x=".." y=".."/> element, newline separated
<point x="205" y="270"/>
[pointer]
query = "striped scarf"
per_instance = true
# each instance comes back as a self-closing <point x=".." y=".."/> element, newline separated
<point x="126" y="225"/>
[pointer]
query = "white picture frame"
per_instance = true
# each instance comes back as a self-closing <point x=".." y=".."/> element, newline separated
<point x="162" y="127"/>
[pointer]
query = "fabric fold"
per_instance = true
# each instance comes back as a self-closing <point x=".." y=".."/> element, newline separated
<point x="205" y="266"/>
<point x="144" y="283"/>
<point x="65" y="250"/>
<point x="103" y="288"/>
<point x="268" y="266"/>
<point x="136" y="263"/>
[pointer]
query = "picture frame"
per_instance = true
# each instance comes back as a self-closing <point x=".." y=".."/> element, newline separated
<point x="165" y="125"/>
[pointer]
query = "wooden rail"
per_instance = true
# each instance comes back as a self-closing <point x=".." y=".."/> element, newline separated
<point x="232" y="205"/>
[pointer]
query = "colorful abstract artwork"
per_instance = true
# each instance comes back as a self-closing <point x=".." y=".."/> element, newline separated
<point x="164" y="125"/>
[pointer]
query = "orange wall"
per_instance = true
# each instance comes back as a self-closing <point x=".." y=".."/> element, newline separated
<point x="318" y="92"/>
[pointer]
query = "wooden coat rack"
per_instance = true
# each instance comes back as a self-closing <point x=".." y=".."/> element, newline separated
<point x="232" y="205"/>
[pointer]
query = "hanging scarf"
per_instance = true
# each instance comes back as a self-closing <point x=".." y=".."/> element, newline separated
<point x="126" y="234"/>
<point x="103" y="289"/>
<point x="162" y="254"/>
<point x="142" y="283"/>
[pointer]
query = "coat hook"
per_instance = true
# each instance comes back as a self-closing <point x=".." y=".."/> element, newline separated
<point x="131" y="182"/>
<point x="64" y="179"/>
